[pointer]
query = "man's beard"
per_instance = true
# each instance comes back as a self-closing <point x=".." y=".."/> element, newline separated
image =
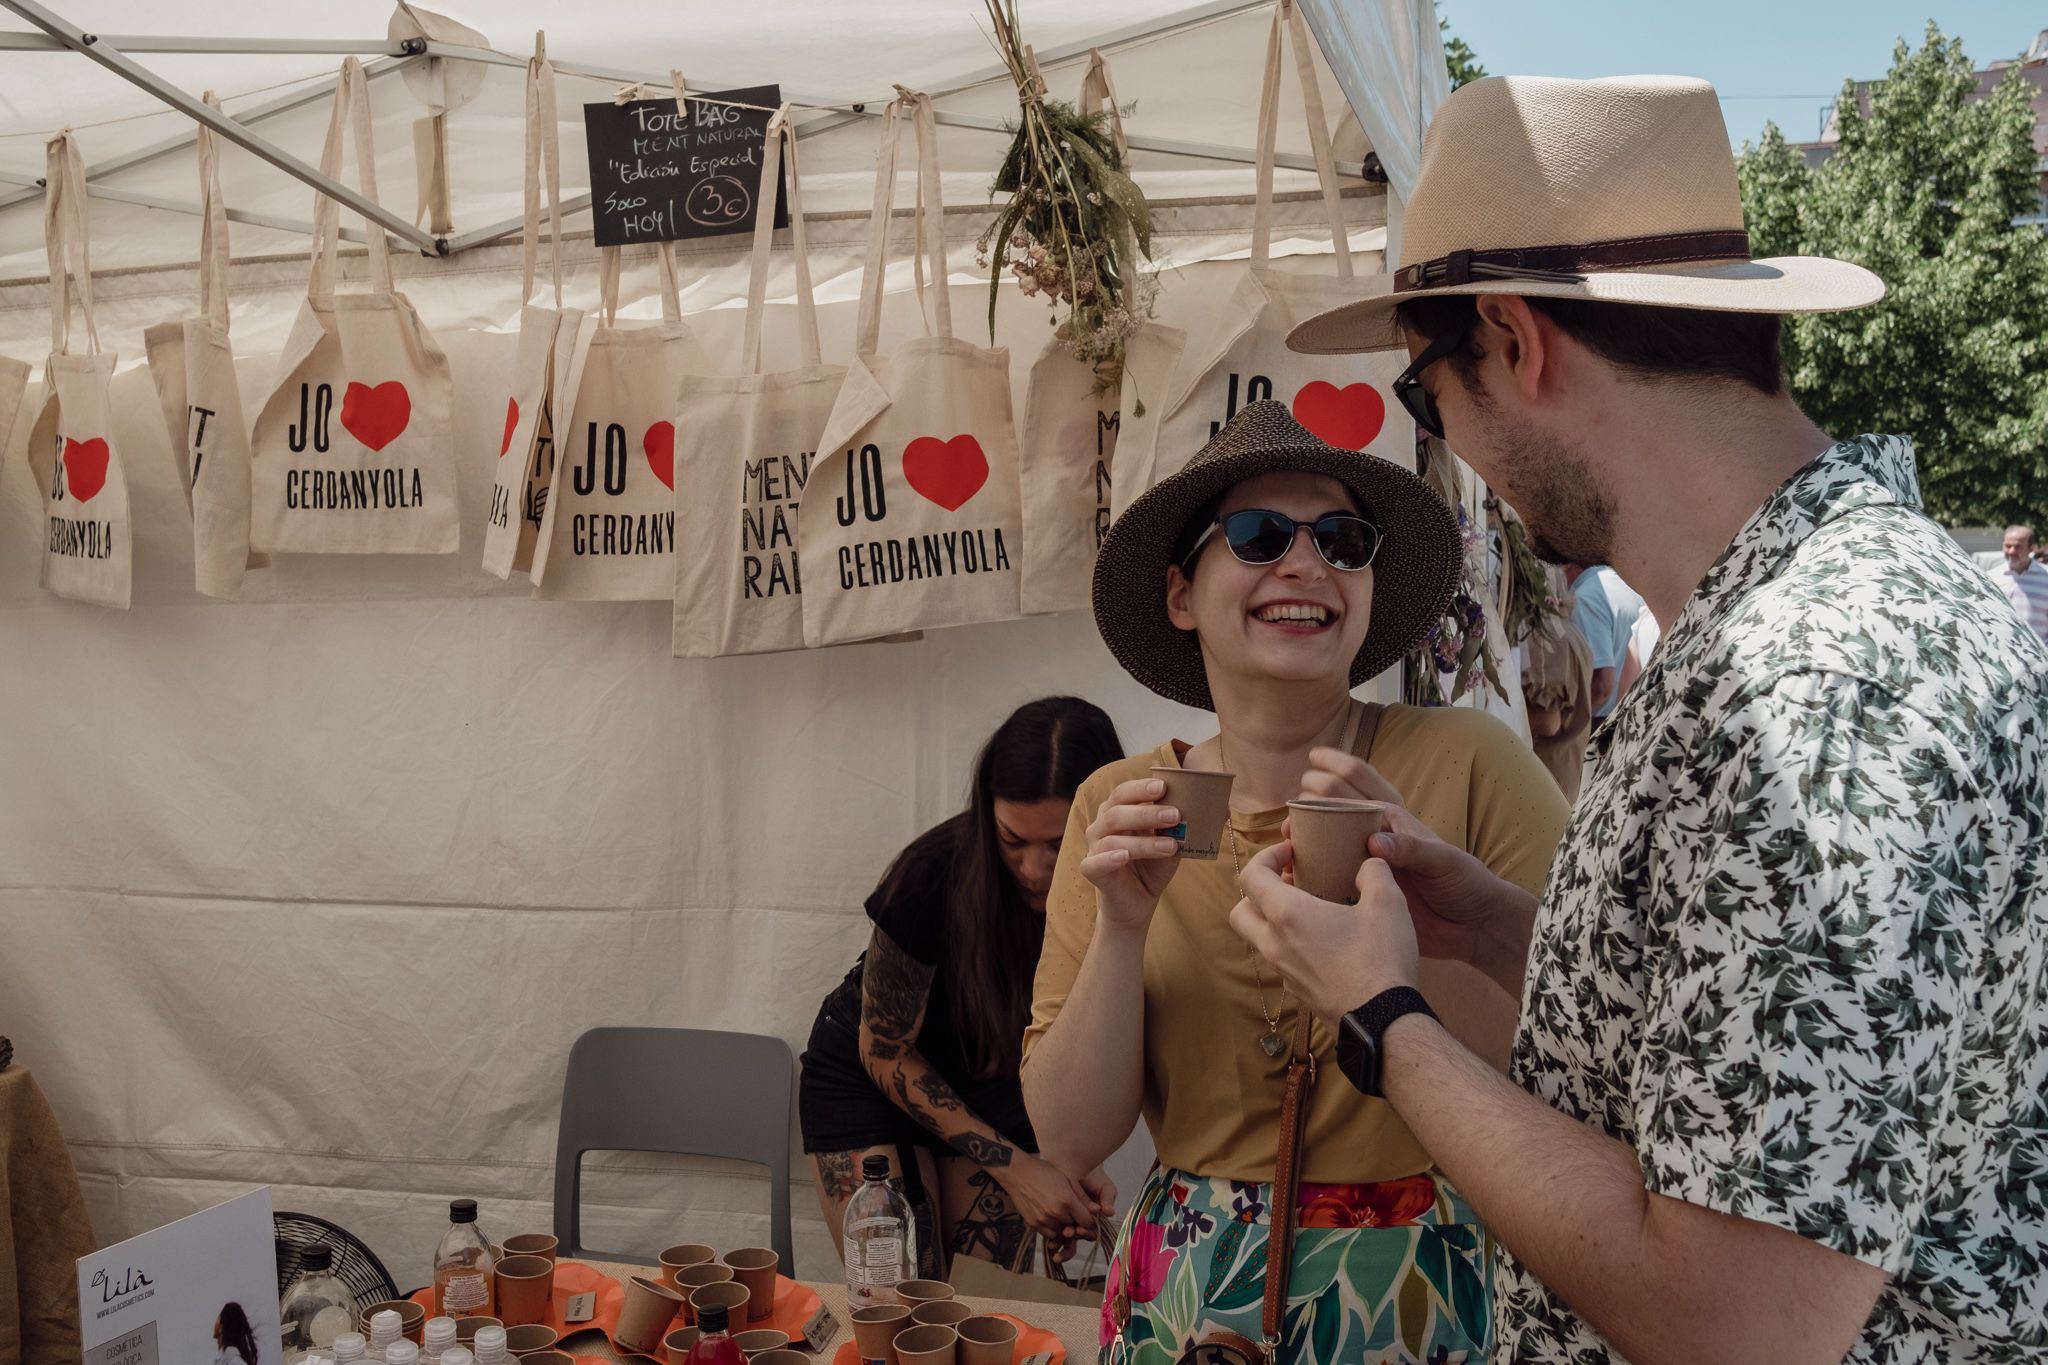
<point x="1568" y="514"/>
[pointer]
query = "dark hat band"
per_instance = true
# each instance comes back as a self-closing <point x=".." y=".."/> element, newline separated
<point x="1568" y="264"/>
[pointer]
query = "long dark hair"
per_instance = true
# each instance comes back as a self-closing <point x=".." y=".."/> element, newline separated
<point x="235" y="1333"/>
<point x="1047" y="748"/>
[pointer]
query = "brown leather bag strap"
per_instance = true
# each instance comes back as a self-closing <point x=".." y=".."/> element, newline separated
<point x="1301" y="1079"/>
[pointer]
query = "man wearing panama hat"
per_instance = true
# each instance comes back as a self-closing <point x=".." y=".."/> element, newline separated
<point x="1780" y="1086"/>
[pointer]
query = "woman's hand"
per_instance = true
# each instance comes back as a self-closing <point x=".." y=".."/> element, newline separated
<point x="1345" y="776"/>
<point x="1129" y="861"/>
<point x="1055" y="1207"/>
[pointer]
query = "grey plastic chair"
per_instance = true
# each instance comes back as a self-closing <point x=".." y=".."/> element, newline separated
<point x="645" y="1089"/>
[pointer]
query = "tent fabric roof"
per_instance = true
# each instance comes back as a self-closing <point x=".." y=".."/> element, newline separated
<point x="1192" y="76"/>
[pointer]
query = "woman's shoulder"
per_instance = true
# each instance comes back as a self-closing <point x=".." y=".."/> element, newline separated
<point x="1462" y="729"/>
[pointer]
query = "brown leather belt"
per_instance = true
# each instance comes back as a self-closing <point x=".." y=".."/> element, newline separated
<point x="1568" y="264"/>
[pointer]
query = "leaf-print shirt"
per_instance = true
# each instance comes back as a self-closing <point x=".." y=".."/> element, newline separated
<point x="1794" y="949"/>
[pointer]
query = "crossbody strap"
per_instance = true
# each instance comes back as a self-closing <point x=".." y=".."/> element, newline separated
<point x="1359" y="731"/>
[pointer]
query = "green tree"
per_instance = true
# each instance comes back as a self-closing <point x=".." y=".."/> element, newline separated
<point x="1922" y="188"/>
<point x="1459" y="57"/>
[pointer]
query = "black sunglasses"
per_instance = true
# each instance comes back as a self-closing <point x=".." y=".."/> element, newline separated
<point x="1408" y="388"/>
<point x="1347" y="542"/>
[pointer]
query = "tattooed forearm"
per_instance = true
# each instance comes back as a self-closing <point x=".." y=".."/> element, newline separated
<point x="983" y="1152"/>
<point x="937" y="1093"/>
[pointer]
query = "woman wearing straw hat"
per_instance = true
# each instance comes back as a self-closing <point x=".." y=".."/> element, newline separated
<point x="1264" y="581"/>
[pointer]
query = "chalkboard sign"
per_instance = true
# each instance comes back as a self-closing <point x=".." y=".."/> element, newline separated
<point x="657" y="175"/>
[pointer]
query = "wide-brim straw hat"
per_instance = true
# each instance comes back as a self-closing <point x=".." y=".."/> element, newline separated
<point x="1414" y="574"/>
<point x="1620" y="190"/>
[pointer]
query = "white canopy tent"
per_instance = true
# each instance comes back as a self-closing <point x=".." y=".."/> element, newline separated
<point x="316" y="889"/>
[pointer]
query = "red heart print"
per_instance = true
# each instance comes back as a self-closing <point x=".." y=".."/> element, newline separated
<point x="948" y="473"/>
<point x="660" y="445"/>
<point x="1349" y="417"/>
<point x="378" y="416"/>
<point x="85" y="467"/>
<point x="511" y="421"/>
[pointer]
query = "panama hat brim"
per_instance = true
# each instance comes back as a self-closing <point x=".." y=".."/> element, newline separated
<point x="1782" y="284"/>
<point x="1415" y="572"/>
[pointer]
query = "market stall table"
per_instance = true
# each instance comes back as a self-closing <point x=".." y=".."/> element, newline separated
<point x="1077" y="1327"/>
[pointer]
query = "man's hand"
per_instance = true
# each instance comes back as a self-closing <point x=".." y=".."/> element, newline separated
<point x="1454" y="899"/>
<point x="1336" y="957"/>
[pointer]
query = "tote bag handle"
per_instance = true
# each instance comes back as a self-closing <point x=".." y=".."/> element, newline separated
<point x="781" y="142"/>
<point x="543" y="148"/>
<point x="65" y="237"/>
<point x="351" y="109"/>
<point x="928" y="239"/>
<point x="1289" y="28"/>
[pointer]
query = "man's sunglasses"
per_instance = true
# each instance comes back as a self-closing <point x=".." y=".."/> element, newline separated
<point x="1346" y="542"/>
<point x="1408" y="388"/>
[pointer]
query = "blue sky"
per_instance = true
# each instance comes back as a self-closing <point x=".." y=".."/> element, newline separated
<point x="1770" y="59"/>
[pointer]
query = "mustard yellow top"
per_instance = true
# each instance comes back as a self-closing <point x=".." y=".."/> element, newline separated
<point x="1212" y="1095"/>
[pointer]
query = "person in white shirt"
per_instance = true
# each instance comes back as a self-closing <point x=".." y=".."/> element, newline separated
<point x="2024" y="581"/>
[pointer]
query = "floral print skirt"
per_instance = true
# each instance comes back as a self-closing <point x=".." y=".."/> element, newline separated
<point x="1399" y="1271"/>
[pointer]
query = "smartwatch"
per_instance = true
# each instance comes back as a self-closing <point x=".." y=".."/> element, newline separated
<point x="1359" y="1033"/>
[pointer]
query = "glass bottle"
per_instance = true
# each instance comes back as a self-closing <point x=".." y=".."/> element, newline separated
<point x="463" y="1265"/>
<point x="316" y="1309"/>
<point x="713" y="1345"/>
<point x="881" y="1240"/>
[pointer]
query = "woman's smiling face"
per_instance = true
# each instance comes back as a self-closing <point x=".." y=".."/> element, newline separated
<point x="1295" y="620"/>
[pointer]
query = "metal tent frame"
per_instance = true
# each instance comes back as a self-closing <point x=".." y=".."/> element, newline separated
<point x="113" y="51"/>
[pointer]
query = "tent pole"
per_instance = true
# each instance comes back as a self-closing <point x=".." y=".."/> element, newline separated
<point x="143" y="42"/>
<point x="151" y="201"/>
<point x="90" y="45"/>
<point x="321" y="89"/>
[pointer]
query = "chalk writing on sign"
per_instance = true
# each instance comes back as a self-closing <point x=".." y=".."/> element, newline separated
<point x="659" y="174"/>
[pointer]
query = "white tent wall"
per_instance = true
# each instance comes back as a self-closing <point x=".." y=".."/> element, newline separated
<point x="316" y="889"/>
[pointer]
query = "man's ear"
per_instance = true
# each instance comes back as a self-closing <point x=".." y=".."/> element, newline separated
<point x="1180" y="592"/>
<point x="1515" y="335"/>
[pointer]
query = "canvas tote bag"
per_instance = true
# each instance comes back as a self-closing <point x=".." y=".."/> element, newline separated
<point x="911" y="517"/>
<point x="525" y="458"/>
<point x="353" y="450"/>
<point x="1068" y="440"/>
<point x="745" y="445"/>
<point x="192" y="364"/>
<point x="1243" y="357"/>
<point x="88" y="546"/>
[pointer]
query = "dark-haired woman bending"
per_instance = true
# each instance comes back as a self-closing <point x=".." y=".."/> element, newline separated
<point x="914" y="1057"/>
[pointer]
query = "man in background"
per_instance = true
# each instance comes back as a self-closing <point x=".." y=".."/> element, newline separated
<point x="2024" y="581"/>
<point x="1605" y="613"/>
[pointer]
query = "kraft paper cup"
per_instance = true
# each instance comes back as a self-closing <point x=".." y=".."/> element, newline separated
<point x="645" y="1317"/>
<point x="760" y="1339"/>
<point x="987" y="1341"/>
<point x="548" y="1357"/>
<point x="542" y="1244"/>
<point x="683" y="1257"/>
<point x="467" y="1328"/>
<point x="412" y="1317"/>
<point x="929" y="1345"/>
<point x="1203" y="800"/>
<point x="875" y="1330"/>
<point x="731" y="1295"/>
<point x="911" y="1293"/>
<point x="940" y="1313"/>
<point x="526" y="1286"/>
<point x="690" y="1279"/>
<point x="755" y="1268"/>
<point x="675" y="1347"/>
<point x="1329" y="844"/>
<point x="782" y="1355"/>
<point x="534" y="1336"/>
